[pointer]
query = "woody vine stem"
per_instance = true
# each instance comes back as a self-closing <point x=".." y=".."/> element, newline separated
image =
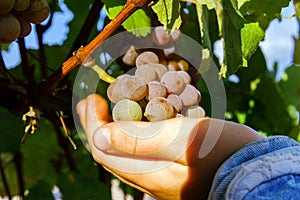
<point x="83" y="53"/>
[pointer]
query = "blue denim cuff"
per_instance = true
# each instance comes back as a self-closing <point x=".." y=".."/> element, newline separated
<point x="258" y="169"/>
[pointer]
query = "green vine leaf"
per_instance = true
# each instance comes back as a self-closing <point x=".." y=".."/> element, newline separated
<point x="139" y="23"/>
<point x="209" y="3"/>
<point x="251" y="35"/>
<point x="261" y="11"/>
<point x="168" y="12"/>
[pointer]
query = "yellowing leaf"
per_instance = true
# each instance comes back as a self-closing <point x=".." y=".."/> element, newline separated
<point x="168" y="12"/>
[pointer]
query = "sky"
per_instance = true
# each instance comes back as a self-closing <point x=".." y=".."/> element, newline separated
<point x="278" y="45"/>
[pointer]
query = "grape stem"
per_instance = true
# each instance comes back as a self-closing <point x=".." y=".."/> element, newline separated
<point x="83" y="53"/>
<point x="102" y="74"/>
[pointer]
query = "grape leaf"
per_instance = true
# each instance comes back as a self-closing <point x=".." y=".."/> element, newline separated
<point x="168" y="12"/>
<point x="266" y="112"/>
<point x="139" y="23"/>
<point x="203" y="21"/>
<point x="68" y="181"/>
<point x="251" y="35"/>
<point x="261" y="11"/>
<point x="10" y="175"/>
<point x="209" y="3"/>
<point x="38" y="151"/>
<point x="42" y="190"/>
<point x="12" y="130"/>
<point x="230" y="25"/>
<point x="290" y="86"/>
<point x="4" y="47"/>
<point x="297" y="51"/>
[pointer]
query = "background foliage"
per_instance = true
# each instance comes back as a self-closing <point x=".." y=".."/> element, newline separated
<point x="47" y="158"/>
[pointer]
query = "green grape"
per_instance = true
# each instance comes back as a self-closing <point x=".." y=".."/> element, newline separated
<point x="127" y="110"/>
<point x="195" y="112"/>
<point x="10" y="28"/>
<point x="6" y="6"/>
<point x="21" y="5"/>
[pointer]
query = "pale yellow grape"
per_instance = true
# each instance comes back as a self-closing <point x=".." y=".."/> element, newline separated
<point x="186" y="77"/>
<point x="10" y="28"/>
<point x="183" y="65"/>
<point x="169" y="52"/>
<point x="176" y="35"/>
<point x="159" y="109"/>
<point x="134" y="88"/>
<point x="190" y="95"/>
<point x="146" y="72"/>
<point x="155" y="89"/>
<point x="159" y="69"/>
<point x="146" y="57"/>
<point x="130" y="56"/>
<point x="173" y="82"/>
<point x="127" y="110"/>
<point x="6" y="6"/>
<point x="160" y="36"/>
<point x="175" y="100"/>
<point x="195" y="112"/>
<point x="173" y="66"/>
<point x="122" y="77"/>
<point x="114" y="92"/>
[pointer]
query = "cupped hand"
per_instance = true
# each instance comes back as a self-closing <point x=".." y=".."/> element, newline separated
<point x="171" y="159"/>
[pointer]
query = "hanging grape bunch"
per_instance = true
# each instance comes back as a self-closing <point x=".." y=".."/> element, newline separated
<point x="16" y="16"/>
<point x="160" y="87"/>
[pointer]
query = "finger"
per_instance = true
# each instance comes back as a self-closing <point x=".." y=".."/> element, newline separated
<point x="80" y="108"/>
<point x="165" y="140"/>
<point x="96" y="114"/>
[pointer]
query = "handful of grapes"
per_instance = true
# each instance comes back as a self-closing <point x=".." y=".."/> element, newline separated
<point x="16" y="16"/>
<point x="159" y="89"/>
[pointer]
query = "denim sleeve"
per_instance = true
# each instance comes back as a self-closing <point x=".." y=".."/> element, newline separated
<point x="265" y="169"/>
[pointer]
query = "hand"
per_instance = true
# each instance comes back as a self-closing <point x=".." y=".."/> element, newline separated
<point x="172" y="159"/>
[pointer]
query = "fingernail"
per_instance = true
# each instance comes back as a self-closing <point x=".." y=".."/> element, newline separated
<point x="101" y="138"/>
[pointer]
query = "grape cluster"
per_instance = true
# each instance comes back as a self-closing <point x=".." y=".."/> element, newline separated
<point x="158" y="89"/>
<point x="16" y="16"/>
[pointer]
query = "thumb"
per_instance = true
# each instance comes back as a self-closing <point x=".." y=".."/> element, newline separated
<point x="167" y="140"/>
<point x="93" y="113"/>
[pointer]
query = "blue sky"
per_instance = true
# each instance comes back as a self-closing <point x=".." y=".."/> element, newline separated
<point x="278" y="45"/>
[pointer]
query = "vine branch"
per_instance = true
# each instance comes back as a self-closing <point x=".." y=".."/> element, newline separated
<point x="27" y="70"/>
<point x="83" y="53"/>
